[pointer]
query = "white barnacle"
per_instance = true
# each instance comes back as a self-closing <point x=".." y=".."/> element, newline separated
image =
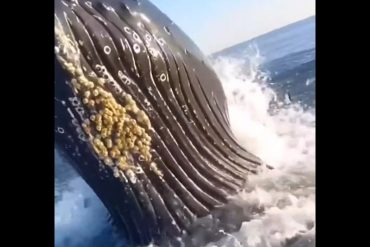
<point x="88" y="4"/>
<point x="74" y="101"/>
<point x="99" y="68"/>
<point x="148" y="37"/>
<point x="136" y="36"/>
<point x="124" y="78"/>
<point x="115" y="172"/>
<point x="136" y="48"/>
<point x="153" y="52"/>
<point x="163" y="77"/>
<point x="117" y="89"/>
<point x="122" y="176"/>
<point x="120" y="74"/>
<point x="185" y="108"/>
<point x="131" y="176"/>
<point x="82" y="137"/>
<point x="139" y="170"/>
<point x="107" y="50"/>
<point x="161" y="41"/>
<point x="60" y="130"/>
<point x="127" y="30"/>
<point x="146" y="101"/>
<point x="80" y="110"/>
<point x="75" y="122"/>
<point x="141" y="158"/>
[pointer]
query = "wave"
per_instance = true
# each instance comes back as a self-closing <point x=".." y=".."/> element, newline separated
<point x="285" y="139"/>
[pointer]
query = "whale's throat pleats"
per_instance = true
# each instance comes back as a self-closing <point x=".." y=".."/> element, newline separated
<point x="143" y="118"/>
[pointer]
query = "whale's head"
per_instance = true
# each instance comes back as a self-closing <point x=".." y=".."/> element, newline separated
<point x="143" y="118"/>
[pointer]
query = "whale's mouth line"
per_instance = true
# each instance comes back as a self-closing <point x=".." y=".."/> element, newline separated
<point x="144" y="115"/>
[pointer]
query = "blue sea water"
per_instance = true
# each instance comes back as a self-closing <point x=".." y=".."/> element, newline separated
<point x="288" y="57"/>
<point x="287" y="61"/>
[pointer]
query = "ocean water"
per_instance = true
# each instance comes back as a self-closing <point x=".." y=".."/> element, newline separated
<point x="270" y="85"/>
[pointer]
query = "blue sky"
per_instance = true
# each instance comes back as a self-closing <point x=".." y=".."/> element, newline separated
<point x="217" y="24"/>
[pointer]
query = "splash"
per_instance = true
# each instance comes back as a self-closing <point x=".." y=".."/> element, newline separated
<point x="80" y="217"/>
<point x="284" y="139"/>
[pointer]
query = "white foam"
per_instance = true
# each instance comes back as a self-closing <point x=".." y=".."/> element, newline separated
<point x="284" y="140"/>
<point x="74" y="218"/>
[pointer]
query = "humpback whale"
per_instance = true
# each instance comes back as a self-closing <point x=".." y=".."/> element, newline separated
<point x="143" y="118"/>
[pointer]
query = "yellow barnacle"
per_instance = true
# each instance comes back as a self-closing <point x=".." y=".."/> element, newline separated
<point x="103" y="93"/>
<point x="116" y="150"/>
<point x="122" y="163"/>
<point x="122" y="145"/>
<point x="91" y="103"/>
<point x="139" y="132"/>
<point x="104" y="132"/>
<point x="131" y="144"/>
<point x="128" y="98"/>
<point x="72" y="70"/>
<point x="104" y="152"/>
<point x="128" y="107"/>
<point x="148" y="138"/>
<point x="139" y="143"/>
<point x="117" y="141"/>
<point x="96" y="149"/>
<point x="96" y="141"/>
<point x="135" y="109"/>
<point x="108" y="112"/>
<point x="79" y="71"/>
<point x="109" y="130"/>
<point x="108" y="161"/>
<point x="95" y="92"/>
<point x="108" y="143"/>
<point x="84" y="81"/>
<point x="101" y="81"/>
<point x="154" y="168"/>
<point x="130" y="134"/>
<point x="113" y="134"/>
<point x="113" y="154"/>
<point x="98" y="119"/>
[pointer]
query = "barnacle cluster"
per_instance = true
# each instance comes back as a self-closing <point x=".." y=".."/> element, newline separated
<point x="115" y="129"/>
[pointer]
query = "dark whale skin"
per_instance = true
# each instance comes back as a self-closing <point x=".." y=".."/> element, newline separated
<point x="176" y="180"/>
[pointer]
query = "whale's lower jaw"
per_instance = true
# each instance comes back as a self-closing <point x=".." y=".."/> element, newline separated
<point x="168" y="204"/>
<point x="144" y="120"/>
